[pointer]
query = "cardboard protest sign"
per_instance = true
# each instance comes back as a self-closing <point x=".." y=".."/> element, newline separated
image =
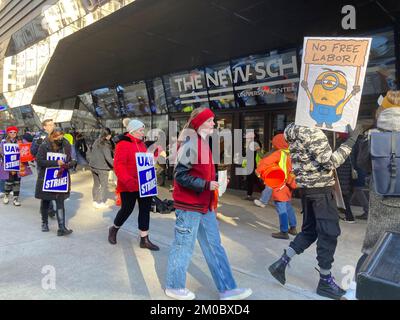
<point x="11" y="157"/>
<point x="146" y="174"/>
<point x="53" y="182"/>
<point x="332" y="77"/>
<point x="25" y="152"/>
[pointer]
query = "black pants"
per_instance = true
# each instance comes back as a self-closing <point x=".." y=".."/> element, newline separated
<point x="253" y="180"/>
<point x="320" y="223"/>
<point x="47" y="205"/>
<point x="348" y="213"/>
<point x="128" y="201"/>
<point x="100" y="185"/>
<point x="13" y="183"/>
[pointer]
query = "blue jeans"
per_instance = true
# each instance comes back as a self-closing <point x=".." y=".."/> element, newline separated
<point x="266" y="195"/>
<point x="286" y="214"/>
<point x="2" y="182"/>
<point x="189" y="226"/>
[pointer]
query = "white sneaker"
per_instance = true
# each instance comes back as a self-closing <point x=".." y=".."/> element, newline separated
<point x="236" y="294"/>
<point x="16" y="202"/>
<point x="258" y="203"/>
<point x="180" y="294"/>
<point x="6" y="200"/>
<point x="100" y="205"/>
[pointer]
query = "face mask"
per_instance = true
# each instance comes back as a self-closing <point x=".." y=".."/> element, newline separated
<point x="58" y="142"/>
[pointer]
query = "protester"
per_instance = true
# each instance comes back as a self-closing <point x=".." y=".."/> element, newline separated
<point x="128" y="184"/>
<point x="194" y="196"/>
<point x="253" y="144"/>
<point x="12" y="179"/>
<point x="47" y="128"/>
<point x="54" y="143"/>
<point x="313" y="165"/>
<point x="101" y="163"/>
<point x="81" y="149"/>
<point x="282" y="195"/>
<point x="384" y="210"/>
<point x="344" y="172"/>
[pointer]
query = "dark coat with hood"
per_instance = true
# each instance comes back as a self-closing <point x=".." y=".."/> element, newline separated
<point x="43" y="163"/>
<point x="101" y="157"/>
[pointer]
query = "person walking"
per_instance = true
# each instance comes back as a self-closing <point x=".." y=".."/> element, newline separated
<point x="194" y="201"/>
<point x="101" y="163"/>
<point x="281" y="195"/>
<point x="54" y="144"/>
<point x="125" y="168"/>
<point x="12" y="179"/>
<point x="313" y="165"/>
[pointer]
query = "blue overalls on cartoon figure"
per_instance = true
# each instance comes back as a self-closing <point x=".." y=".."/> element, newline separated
<point x="325" y="114"/>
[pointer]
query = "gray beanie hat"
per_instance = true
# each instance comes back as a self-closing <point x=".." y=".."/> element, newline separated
<point x="134" y="125"/>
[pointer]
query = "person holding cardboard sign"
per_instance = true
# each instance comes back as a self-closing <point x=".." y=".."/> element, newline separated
<point x="11" y="168"/>
<point x="195" y="195"/>
<point x="53" y="183"/>
<point x="126" y="170"/>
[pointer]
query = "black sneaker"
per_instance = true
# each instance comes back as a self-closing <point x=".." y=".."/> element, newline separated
<point x="277" y="269"/>
<point x="328" y="288"/>
<point x="347" y="220"/>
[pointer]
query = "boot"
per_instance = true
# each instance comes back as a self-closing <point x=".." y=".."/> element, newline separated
<point x="278" y="268"/>
<point x="328" y="288"/>
<point x="45" y="222"/>
<point x="292" y="231"/>
<point x="280" y="235"/>
<point x="112" y="235"/>
<point x="145" y="243"/>
<point x="62" y="230"/>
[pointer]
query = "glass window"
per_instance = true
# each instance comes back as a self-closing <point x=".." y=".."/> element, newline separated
<point x="135" y="99"/>
<point x="52" y="19"/>
<point x="256" y="123"/>
<point x="71" y="10"/>
<point x="157" y="101"/>
<point x="381" y="71"/>
<point x="220" y="86"/>
<point x="161" y="122"/>
<point x="266" y="79"/>
<point x="105" y="102"/>
<point x="186" y="91"/>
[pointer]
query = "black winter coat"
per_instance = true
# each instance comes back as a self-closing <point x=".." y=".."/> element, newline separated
<point x="43" y="163"/>
<point x="101" y="157"/>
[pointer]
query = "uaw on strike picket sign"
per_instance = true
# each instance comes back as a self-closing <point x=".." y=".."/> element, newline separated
<point x="11" y="157"/>
<point x="53" y="183"/>
<point x="331" y="82"/>
<point x="146" y="174"/>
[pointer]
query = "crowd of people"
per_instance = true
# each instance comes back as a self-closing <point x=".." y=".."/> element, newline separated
<point x="310" y="166"/>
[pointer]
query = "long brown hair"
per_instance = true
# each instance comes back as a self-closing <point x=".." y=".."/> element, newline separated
<point x="54" y="136"/>
<point x="188" y="124"/>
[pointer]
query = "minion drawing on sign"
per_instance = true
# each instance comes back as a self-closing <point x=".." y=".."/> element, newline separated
<point x="332" y="76"/>
<point x="328" y="97"/>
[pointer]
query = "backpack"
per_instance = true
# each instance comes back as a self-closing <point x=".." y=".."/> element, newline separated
<point x="385" y="156"/>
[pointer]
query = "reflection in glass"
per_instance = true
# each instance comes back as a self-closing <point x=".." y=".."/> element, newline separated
<point x="135" y="99"/>
<point x="52" y="19"/>
<point x="105" y="102"/>
<point x="157" y="101"/>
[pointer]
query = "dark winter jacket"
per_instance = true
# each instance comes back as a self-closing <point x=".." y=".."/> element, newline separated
<point x="43" y="163"/>
<point x="37" y="141"/>
<point x="345" y="177"/>
<point x="101" y="156"/>
<point x="192" y="176"/>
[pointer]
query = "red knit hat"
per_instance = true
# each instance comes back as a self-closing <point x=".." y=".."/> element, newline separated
<point x="12" y="128"/>
<point x="201" y="118"/>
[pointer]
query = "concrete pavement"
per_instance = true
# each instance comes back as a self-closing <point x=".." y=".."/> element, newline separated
<point x="36" y="265"/>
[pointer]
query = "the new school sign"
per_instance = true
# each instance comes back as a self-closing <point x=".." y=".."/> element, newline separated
<point x="146" y="174"/>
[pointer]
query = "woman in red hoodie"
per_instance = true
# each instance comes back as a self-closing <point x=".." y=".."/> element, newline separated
<point x="283" y="194"/>
<point x="194" y="193"/>
<point x="128" y="185"/>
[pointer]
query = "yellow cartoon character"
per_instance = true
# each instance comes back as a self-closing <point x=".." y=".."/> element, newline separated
<point x="328" y="97"/>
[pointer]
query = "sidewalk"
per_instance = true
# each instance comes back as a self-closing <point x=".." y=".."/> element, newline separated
<point x="88" y="267"/>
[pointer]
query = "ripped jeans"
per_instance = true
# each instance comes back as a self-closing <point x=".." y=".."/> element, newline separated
<point x="189" y="226"/>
